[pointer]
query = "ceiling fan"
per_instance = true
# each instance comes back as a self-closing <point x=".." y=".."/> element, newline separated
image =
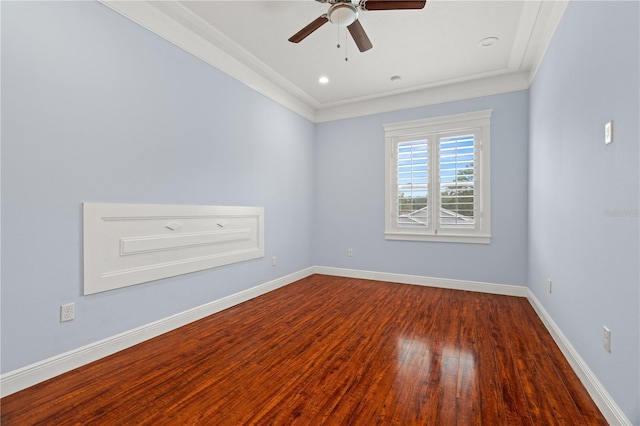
<point x="344" y="13"/>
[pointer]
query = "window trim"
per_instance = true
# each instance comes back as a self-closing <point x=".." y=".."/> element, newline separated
<point x="420" y="129"/>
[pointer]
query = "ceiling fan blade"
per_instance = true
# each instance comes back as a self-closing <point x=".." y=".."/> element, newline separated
<point x="306" y="31"/>
<point x="359" y="36"/>
<point x="393" y="4"/>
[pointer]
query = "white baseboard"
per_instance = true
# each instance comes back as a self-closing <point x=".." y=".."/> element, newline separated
<point x="30" y="375"/>
<point x="598" y="393"/>
<point x="477" y="286"/>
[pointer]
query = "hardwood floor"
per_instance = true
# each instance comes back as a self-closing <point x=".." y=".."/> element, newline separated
<point x="328" y="350"/>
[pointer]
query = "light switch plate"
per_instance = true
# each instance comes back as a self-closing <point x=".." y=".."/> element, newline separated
<point x="606" y="339"/>
<point x="608" y="132"/>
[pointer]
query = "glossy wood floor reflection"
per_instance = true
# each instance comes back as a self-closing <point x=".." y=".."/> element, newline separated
<point x="329" y="350"/>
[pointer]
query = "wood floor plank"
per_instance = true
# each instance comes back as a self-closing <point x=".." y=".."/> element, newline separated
<point x="384" y="357"/>
<point x="410" y="334"/>
<point x="343" y="383"/>
<point x="513" y="396"/>
<point x="529" y="365"/>
<point x="329" y="350"/>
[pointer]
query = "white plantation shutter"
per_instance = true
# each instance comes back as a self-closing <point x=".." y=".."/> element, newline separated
<point x="412" y="183"/>
<point x="438" y="179"/>
<point x="457" y="181"/>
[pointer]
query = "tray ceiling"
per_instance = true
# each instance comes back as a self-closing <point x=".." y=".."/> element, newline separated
<point x="434" y="54"/>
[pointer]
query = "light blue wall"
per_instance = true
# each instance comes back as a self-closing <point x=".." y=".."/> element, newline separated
<point x="95" y="108"/>
<point x="349" y="198"/>
<point x="589" y="76"/>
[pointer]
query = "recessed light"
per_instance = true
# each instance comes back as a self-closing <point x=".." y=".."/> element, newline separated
<point x="488" y="42"/>
<point x="395" y="78"/>
<point x="323" y="80"/>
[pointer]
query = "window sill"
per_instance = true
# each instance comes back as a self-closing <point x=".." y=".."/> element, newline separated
<point x="445" y="238"/>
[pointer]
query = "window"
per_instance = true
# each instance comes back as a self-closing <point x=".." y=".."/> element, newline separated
<point x="437" y="179"/>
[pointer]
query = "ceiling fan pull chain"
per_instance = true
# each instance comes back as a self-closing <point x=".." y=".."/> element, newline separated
<point x="346" y="44"/>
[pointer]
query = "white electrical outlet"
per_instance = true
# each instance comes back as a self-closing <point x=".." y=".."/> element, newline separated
<point x="549" y="285"/>
<point x="274" y="261"/>
<point x="67" y="312"/>
<point x="350" y="252"/>
<point x="606" y="339"/>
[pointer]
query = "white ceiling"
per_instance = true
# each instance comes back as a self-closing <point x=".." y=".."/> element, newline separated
<point x="436" y="50"/>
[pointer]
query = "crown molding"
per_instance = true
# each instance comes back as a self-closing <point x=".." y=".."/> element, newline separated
<point x="549" y="16"/>
<point x="176" y="24"/>
<point x="181" y="27"/>
<point x="429" y="96"/>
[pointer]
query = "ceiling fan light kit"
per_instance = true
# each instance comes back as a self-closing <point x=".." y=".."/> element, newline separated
<point x="344" y="13"/>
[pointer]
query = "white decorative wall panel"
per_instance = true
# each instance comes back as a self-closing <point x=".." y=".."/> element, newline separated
<point x="127" y="244"/>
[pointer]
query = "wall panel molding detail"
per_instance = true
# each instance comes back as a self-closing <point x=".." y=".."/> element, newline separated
<point x="128" y="244"/>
